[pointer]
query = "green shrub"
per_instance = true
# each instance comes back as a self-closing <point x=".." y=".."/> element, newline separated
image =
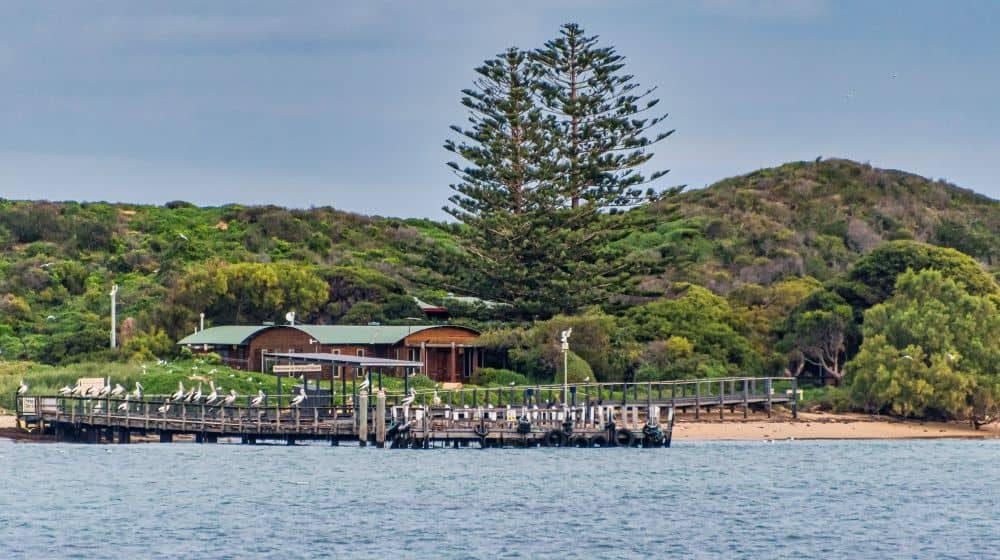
<point x="493" y="377"/>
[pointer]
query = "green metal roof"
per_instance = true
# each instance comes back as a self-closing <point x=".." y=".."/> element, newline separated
<point x="230" y="334"/>
<point x="325" y="334"/>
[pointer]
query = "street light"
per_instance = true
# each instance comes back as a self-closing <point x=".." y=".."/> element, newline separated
<point x="565" y="350"/>
<point x="114" y="292"/>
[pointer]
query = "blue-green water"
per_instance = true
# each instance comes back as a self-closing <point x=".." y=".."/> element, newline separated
<point x="860" y="499"/>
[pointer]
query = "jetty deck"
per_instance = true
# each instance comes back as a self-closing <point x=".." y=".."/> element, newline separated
<point x="591" y="414"/>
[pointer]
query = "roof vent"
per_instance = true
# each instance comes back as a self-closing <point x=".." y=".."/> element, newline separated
<point x="268" y="323"/>
<point x="374" y="324"/>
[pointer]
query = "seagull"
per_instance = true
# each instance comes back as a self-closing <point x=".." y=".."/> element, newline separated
<point x="124" y="406"/>
<point x="437" y="399"/>
<point x="951" y="357"/>
<point x="67" y="390"/>
<point x="849" y="95"/>
<point x="214" y="395"/>
<point x="180" y="392"/>
<point x="907" y="357"/>
<point x="22" y="389"/>
<point x="893" y="75"/>
<point x="182" y="236"/>
<point x="212" y="371"/>
<point x="46" y="265"/>
<point x="297" y="400"/>
<point x="255" y="402"/>
<point x="51" y="318"/>
<point x="364" y="385"/>
<point x="230" y="399"/>
<point x="512" y="383"/>
<point x="118" y="390"/>
<point x="160" y="362"/>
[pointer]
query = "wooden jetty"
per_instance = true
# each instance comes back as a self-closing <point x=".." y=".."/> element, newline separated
<point x="579" y="415"/>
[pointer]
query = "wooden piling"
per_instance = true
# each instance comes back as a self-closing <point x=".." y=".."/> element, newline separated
<point x="380" y="420"/>
<point x="363" y="419"/>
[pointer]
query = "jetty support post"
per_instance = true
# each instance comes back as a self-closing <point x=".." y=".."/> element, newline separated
<point x="795" y="398"/>
<point x="697" y="399"/>
<point x="362" y="407"/>
<point x="770" y="392"/>
<point x="380" y="420"/>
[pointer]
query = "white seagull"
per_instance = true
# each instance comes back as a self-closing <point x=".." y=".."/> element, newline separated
<point x="182" y="236"/>
<point x="436" y="399"/>
<point x="22" y="388"/>
<point x="297" y="400"/>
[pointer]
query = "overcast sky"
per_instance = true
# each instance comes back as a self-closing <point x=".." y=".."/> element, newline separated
<point x="347" y="104"/>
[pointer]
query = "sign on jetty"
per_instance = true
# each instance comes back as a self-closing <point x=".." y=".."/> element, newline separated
<point x="579" y="415"/>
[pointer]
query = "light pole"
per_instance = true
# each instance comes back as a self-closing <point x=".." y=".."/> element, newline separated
<point x="114" y="292"/>
<point x="565" y="351"/>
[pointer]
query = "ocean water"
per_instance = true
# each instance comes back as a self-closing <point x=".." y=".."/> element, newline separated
<point x="795" y="499"/>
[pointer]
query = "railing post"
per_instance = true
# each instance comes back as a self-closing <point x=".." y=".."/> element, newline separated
<point x="697" y="400"/>
<point x="722" y="400"/>
<point x="746" y="398"/>
<point x="770" y="389"/>
<point x="795" y="398"/>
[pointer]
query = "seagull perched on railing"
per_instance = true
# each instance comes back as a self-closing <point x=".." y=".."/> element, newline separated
<point x="297" y="400"/>
<point x="22" y="388"/>
<point x="436" y="399"/>
<point x="118" y="390"/>
<point x="180" y="392"/>
<point x="124" y="405"/>
<point x="255" y="402"/>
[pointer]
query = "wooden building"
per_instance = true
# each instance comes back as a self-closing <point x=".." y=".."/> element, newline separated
<point x="448" y="353"/>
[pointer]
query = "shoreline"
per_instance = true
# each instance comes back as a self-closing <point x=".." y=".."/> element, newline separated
<point x="809" y="426"/>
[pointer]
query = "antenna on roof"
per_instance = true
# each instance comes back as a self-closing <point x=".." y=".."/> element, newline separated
<point x="290" y="317"/>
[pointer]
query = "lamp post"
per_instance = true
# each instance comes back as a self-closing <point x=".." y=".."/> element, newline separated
<point x="565" y="351"/>
<point x="114" y="292"/>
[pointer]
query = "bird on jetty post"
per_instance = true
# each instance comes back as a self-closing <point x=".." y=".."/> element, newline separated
<point x="22" y="388"/>
<point x="297" y="400"/>
<point x="436" y="399"/>
<point x="180" y="392"/>
<point x="214" y="395"/>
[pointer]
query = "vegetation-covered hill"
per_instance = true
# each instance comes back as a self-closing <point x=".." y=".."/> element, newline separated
<point x="812" y="219"/>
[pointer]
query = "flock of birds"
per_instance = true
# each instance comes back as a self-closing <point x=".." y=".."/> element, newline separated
<point x="216" y="397"/>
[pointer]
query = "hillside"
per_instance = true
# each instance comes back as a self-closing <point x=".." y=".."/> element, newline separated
<point x="811" y="218"/>
<point x="57" y="260"/>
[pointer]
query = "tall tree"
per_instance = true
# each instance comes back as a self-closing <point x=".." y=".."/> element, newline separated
<point x="600" y="112"/>
<point x="526" y="242"/>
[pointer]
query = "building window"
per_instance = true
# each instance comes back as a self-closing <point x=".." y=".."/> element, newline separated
<point x="414" y="354"/>
<point x="361" y="352"/>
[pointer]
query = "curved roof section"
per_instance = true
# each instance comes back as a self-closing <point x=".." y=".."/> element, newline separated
<point x="325" y="334"/>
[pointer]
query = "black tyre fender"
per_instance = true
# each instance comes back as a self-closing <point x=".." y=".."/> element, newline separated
<point x="624" y="437"/>
<point x="598" y="441"/>
<point x="555" y="438"/>
<point x="580" y="441"/>
<point x="481" y="431"/>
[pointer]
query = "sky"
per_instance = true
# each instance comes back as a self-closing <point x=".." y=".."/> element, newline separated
<point x="348" y="104"/>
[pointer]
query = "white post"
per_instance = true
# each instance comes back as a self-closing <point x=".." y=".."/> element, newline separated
<point x="202" y="316"/>
<point x="114" y="340"/>
<point x="565" y="350"/>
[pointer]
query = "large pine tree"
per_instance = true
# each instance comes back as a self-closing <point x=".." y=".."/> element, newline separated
<point x="549" y="162"/>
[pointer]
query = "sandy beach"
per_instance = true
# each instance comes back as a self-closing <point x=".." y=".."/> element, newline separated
<point x="824" y="426"/>
<point x="780" y="426"/>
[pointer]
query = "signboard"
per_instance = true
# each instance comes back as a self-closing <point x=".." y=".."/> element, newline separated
<point x="298" y="368"/>
<point x="27" y="405"/>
